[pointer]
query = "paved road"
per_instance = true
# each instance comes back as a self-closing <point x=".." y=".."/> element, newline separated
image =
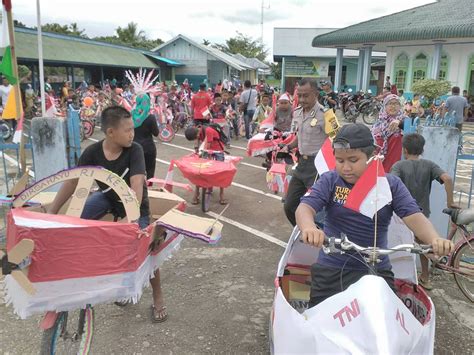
<point x="219" y="297"/>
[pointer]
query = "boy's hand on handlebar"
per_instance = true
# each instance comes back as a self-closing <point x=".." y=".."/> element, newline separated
<point x="442" y="246"/>
<point x="313" y="236"/>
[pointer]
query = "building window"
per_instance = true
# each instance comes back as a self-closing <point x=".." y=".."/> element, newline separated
<point x="420" y="66"/>
<point x="443" y="67"/>
<point x="400" y="78"/>
<point x="401" y="69"/>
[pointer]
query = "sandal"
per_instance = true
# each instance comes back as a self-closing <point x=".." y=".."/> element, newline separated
<point x="425" y="284"/>
<point x="223" y="201"/>
<point x="195" y="201"/>
<point x="158" y="315"/>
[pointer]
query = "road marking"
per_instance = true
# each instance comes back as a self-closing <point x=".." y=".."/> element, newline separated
<point x="14" y="162"/>
<point x="249" y="229"/>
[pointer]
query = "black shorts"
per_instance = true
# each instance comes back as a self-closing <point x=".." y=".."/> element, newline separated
<point x="326" y="281"/>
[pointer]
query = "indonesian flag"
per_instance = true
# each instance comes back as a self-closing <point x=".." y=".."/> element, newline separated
<point x="269" y="122"/>
<point x="325" y="160"/>
<point x="371" y="192"/>
<point x="6" y="65"/>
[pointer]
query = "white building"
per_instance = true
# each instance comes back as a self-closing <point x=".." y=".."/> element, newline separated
<point x="292" y="48"/>
<point x="431" y="41"/>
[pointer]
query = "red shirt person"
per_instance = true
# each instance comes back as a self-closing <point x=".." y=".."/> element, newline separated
<point x="200" y="103"/>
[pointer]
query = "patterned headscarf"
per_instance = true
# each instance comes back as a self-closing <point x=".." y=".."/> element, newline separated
<point x="380" y="127"/>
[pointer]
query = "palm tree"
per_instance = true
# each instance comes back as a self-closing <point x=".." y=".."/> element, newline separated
<point x="130" y="34"/>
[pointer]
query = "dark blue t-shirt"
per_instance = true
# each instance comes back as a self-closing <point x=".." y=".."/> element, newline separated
<point x="331" y="191"/>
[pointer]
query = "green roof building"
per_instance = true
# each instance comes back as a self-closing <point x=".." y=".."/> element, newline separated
<point x="430" y="41"/>
<point x="97" y="60"/>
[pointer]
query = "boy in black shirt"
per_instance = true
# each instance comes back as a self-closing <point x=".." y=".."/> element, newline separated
<point x="118" y="153"/>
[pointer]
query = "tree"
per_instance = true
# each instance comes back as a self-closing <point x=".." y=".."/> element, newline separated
<point x="245" y="45"/>
<point x="17" y="23"/>
<point x="71" y="29"/>
<point x="431" y="89"/>
<point x="132" y="37"/>
<point x="276" y="70"/>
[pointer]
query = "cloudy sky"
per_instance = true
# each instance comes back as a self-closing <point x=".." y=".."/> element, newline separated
<point x="210" y="19"/>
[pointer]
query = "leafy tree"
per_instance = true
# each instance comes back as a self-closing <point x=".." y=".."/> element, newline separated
<point x="71" y="29"/>
<point x="276" y="70"/>
<point x="245" y="45"/>
<point x="17" y="23"/>
<point x="431" y="89"/>
<point x="132" y="37"/>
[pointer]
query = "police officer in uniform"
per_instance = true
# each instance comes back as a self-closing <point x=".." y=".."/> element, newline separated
<point x="309" y="121"/>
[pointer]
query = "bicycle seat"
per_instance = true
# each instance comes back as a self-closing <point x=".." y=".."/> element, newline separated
<point x="460" y="216"/>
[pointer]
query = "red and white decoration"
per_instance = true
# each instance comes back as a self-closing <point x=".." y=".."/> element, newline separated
<point x="325" y="160"/>
<point x="371" y="192"/>
<point x="77" y="262"/>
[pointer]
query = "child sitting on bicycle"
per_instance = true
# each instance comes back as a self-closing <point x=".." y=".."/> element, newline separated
<point x="417" y="174"/>
<point x="353" y="147"/>
<point x="118" y="153"/>
<point x="211" y="140"/>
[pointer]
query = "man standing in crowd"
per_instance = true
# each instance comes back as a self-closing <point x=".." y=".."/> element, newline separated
<point x="309" y="119"/>
<point x="200" y="103"/>
<point x="248" y="104"/>
<point x="5" y="89"/>
<point x="458" y="105"/>
<point x="328" y="97"/>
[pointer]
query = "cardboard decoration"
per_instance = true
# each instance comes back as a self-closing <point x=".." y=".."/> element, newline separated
<point x="10" y="264"/>
<point x="76" y="262"/>
<point x="367" y="318"/>
<point x="86" y="176"/>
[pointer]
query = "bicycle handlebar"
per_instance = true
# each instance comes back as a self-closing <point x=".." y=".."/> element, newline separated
<point x="340" y="245"/>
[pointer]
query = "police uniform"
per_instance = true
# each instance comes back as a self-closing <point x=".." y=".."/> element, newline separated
<point x="311" y="136"/>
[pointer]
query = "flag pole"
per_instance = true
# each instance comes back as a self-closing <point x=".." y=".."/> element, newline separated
<point x="40" y="58"/>
<point x="16" y="86"/>
<point x="374" y="256"/>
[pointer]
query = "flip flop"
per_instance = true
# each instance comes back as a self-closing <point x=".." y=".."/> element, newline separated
<point x="425" y="284"/>
<point x="195" y="201"/>
<point x="158" y="315"/>
<point x="223" y="202"/>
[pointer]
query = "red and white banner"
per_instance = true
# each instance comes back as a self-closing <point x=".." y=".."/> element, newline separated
<point x="325" y="160"/>
<point x="258" y="145"/>
<point x="76" y="262"/>
<point x="371" y="192"/>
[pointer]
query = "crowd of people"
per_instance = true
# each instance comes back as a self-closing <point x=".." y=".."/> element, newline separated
<point x="128" y="149"/>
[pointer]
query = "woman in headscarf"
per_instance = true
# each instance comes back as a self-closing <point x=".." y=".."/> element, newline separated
<point x="145" y="128"/>
<point x="387" y="131"/>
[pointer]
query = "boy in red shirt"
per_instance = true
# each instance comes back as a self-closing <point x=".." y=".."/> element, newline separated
<point x="214" y="143"/>
<point x="200" y="103"/>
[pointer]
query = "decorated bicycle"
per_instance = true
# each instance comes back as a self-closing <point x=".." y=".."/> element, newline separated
<point x="206" y="169"/>
<point x="62" y="265"/>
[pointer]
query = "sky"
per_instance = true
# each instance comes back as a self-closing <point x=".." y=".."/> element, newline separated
<point x="213" y="20"/>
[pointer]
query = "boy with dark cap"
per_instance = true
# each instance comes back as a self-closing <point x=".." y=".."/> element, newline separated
<point x="353" y="147"/>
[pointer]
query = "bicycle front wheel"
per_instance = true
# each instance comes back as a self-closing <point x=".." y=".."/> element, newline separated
<point x="61" y="339"/>
<point x="88" y="129"/>
<point x="206" y="198"/>
<point x="463" y="262"/>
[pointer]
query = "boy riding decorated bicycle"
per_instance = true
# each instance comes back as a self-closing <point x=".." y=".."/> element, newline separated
<point x="353" y="149"/>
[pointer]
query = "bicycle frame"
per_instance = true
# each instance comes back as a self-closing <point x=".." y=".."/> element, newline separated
<point x="466" y="238"/>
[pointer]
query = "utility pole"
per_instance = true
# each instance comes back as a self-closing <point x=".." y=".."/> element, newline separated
<point x="263" y="8"/>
